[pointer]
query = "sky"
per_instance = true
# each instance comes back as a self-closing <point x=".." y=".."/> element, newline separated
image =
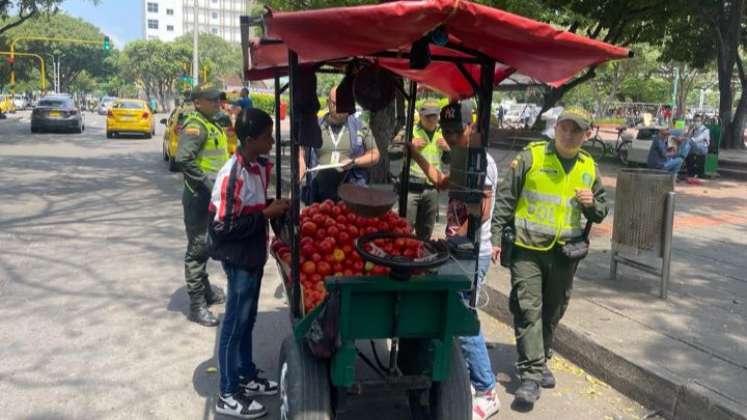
<point x="120" y="19"/>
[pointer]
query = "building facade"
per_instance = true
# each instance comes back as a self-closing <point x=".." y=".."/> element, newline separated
<point x="169" y="19"/>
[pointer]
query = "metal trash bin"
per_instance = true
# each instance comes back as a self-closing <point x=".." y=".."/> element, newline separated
<point x="643" y="221"/>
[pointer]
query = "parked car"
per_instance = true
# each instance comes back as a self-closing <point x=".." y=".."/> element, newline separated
<point x="57" y="113"/>
<point x="104" y="104"/>
<point x="20" y="102"/>
<point x="174" y="125"/>
<point x="129" y="116"/>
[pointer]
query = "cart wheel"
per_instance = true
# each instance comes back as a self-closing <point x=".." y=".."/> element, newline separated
<point x="304" y="384"/>
<point x="450" y="399"/>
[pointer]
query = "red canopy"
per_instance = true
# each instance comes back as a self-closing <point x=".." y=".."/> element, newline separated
<point x="535" y="49"/>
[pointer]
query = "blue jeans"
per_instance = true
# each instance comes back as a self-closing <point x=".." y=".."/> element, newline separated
<point x="474" y="349"/>
<point x="235" y="345"/>
<point x="674" y="164"/>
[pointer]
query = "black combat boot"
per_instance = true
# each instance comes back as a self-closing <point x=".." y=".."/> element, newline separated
<point x="548" y="379"/>
<point x="201" y="315"/>
<point x="214" y="296"/>
<point x="528" y="392"/>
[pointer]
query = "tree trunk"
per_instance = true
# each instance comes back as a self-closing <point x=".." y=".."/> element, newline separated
<point x="727" y="39"/>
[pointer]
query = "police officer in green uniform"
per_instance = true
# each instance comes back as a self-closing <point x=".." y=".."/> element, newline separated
<point x="548" y="187"/>
<point x="422" y="200"/>
<point x="202" y="151"/>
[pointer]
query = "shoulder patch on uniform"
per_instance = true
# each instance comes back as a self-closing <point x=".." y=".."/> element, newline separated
<point x="192" y="131"/>
<point x="585" y="153"/>
<point x="535" y="144"/>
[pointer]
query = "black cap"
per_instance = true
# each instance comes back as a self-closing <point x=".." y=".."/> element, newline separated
<point x="456" y="116"/>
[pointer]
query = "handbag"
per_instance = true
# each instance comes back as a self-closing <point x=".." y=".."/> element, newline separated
<point x="578" y="248"/>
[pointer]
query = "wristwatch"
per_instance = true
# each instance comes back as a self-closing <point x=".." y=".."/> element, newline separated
<point x="354" y="164"/>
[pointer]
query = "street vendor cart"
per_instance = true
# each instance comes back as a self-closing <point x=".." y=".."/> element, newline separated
<point x="462" y="50"/>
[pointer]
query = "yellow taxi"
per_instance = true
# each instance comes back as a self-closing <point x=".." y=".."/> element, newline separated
<point x="7" y="104"/>
<point x="174" y="125"/>
<point x="129" y="116"/>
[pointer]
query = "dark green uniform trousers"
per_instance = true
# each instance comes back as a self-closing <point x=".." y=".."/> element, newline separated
<point x="541" y="284"/>
<point x="422" y="210"/>
<point x="196" y="221"/>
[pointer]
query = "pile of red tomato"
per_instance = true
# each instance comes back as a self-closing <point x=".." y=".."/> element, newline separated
<point x="327" y="234"/>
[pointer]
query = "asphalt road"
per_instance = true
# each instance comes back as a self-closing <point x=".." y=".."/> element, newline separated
<point x="92" y="299"/>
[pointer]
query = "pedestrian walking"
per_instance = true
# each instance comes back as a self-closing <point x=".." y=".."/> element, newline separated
<point x="237" y="237"/>
<point x="548" y="187"/>
<point x="202" y="151"/>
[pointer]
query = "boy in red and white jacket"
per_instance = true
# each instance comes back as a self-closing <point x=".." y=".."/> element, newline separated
<point x="238" y="236"/>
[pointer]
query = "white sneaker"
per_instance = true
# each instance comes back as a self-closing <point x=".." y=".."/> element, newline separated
<point x="485" y="405"/>
<point x="239" y="406"/>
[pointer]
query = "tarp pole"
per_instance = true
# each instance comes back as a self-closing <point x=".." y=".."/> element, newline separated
<point x="278" y="147"/>
<point x="295" y="202"/>
<point x="404" y="181"/>
<point x="485" y="99"/>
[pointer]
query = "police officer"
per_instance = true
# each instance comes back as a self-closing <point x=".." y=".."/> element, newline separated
<point x="201" y="152"/>
<point x="548" y="187"/>
<point x="347" y="144"/>
<point x="422" y="200"/>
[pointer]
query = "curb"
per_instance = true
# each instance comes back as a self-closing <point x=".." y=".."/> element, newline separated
<point x="673" y="397"/>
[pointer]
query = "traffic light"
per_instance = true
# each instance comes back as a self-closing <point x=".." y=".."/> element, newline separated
<point x="107" y="44"/>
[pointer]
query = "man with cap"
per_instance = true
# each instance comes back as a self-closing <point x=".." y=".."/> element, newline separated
<point x="547" y="188"/>
<point x="422" y="200"/>
<point x="460" y="135"/>
<point x="202" y="151"/>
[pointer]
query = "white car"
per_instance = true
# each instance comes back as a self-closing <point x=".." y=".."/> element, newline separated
<point x="519" y="115"/>
<point x="20" y="102"/>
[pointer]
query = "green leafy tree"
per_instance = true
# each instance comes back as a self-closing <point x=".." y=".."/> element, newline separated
<point x="75" y="58"/>
<point x="154" y="66"/>
<point x="222" y="57"/>
<point x="15" y="12"/>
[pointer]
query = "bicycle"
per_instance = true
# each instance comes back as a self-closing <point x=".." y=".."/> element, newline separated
<point x="599" y="149"/>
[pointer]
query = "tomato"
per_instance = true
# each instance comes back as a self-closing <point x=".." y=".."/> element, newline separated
<point x="329" y="258"/>
<point x="309" y="267"/>
<point x="320" y="287"/>
<point x="326" y="247"/>
<point x="336" y="211"/>
<point x="370" y="230"/>
<point x="338" y="254"/>
<point x="307" y="250"/>
<point x="306" y="240"/>
<point x="352" y="218"/>
<point x="329" y="222"/>
<point x="309" y="229"/>
<point x="378" y="270"/>
<point x="333" y="231"/>
<point x="400" y="242"/>
<point x="343" y="238"/>
<point x="315" y="257"/>
<point x="326" y="207"/>
<point x="323" y="268"/>
<point x="286" y="257"/>
<point x="341" y="219"/>
<point x="353" y="231"/>
<point x="409" y="253"/>
<point x="347" y="249"/>
<point x="348" y="272"/>
<point x="316" y="279"/>
<point x="337" y="268"/>
<point x="320" y="234"/>
<point x="318" y="219"/>
<point x="358" y="266"/>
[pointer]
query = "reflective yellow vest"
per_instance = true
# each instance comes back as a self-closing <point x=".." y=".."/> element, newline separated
<point x="214" y="152"/>
<point x="431" y="152"/>
<point x="547" y="211"/>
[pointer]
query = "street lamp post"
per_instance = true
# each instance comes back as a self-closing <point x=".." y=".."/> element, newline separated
<point x="195" y="63"/>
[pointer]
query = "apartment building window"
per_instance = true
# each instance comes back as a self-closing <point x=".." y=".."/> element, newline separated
<point x="214" y="15"/>
<point x="152" y="23"/>
<point x="170" y="12"/>
<point x="153" y="7"/>
<point x="170" y="28"/>
<point x="214" y="30"/>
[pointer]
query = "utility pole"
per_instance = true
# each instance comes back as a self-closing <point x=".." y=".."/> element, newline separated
<point x="195" y="63"/>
